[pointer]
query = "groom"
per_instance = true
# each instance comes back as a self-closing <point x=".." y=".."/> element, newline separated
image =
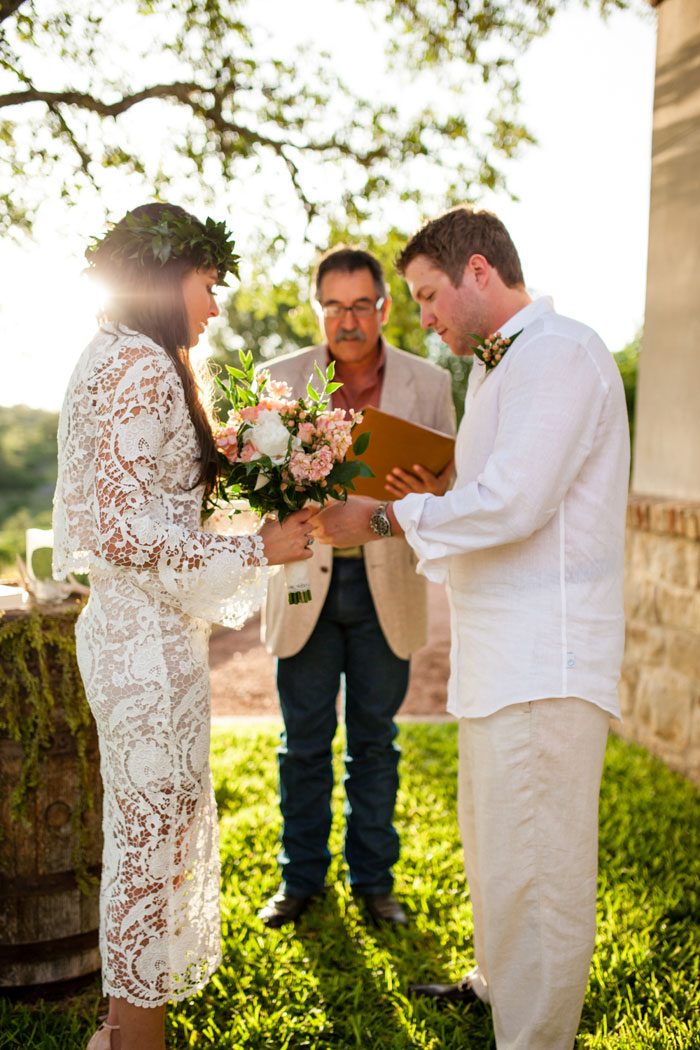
<point x="530" y="543"/>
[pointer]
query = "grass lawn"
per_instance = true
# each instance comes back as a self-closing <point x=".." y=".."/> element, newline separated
<point x="335" y="982"/>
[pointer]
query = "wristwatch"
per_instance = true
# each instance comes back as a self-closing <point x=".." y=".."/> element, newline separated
<point x="379" y="522"/>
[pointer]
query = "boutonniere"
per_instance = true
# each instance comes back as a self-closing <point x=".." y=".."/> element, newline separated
<point x="492" y="349"/>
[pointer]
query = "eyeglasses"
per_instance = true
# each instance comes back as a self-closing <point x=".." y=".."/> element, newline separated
<point x="360" y="308"/>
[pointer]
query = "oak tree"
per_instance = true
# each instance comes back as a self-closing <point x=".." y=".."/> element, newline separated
<point x="189" y="97"/>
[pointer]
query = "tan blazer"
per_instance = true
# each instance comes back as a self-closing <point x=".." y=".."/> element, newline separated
<point x="414" y="389"/>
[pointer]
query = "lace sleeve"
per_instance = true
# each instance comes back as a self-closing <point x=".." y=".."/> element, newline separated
<point x="144" y="434"/>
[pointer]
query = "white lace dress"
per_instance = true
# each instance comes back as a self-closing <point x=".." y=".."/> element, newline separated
<point x="124" y="510"/>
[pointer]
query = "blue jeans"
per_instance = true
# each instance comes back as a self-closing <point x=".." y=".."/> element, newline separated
<point x="347" y="640"/>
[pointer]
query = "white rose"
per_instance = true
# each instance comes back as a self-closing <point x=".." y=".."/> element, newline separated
<point x="269" y="436"/>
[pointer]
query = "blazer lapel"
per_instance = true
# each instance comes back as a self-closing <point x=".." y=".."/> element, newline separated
<point x="399" y="395"/>
<point x="305" y="369"/>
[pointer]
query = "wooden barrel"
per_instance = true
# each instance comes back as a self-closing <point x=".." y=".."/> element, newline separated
<point x="48" y="925"/>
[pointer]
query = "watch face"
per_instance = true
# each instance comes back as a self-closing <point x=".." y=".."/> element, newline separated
<point x="379" y="523"/>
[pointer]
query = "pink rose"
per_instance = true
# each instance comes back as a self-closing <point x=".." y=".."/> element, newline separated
<point x="278" y="389"/>
<point x="249" y="453"/>
<point x="305" y="432"/>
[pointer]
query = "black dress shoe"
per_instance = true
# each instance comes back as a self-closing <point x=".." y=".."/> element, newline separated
<point x="283" y="908"/>
<point x="462" y="992"/>
<point x="383" y="908"/>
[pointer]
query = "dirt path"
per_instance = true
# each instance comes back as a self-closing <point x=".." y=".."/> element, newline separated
<point x="242" y="672"/>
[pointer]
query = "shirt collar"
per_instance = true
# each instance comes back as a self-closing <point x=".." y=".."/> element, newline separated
<point x="537" y="308"/>
<point x="526" y="316"/>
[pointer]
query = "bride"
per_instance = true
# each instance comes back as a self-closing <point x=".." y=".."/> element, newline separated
<point x="136" y="456"/>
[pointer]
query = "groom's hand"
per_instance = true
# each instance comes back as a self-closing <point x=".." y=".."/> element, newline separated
<point x="346" y="524"/>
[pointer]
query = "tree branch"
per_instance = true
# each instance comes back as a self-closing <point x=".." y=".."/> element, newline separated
<point x="278" y="115"/>
<point x="309" y="207"/>
<point x="188" y="93"/>
<point x="68" y="132"/>
<point x="180" y="91"/>
<point x="8" y="8"/>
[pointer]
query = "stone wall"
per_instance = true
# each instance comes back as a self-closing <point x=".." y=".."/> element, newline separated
<point x="660" y="687"/>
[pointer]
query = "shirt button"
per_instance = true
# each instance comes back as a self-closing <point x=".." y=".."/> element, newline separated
<point x="324" y="568"/>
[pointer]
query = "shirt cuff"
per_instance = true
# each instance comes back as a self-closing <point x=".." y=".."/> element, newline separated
<point x="408" y="512"/>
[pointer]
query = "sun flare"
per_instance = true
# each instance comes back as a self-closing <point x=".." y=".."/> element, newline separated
<point x="46" y="320"/>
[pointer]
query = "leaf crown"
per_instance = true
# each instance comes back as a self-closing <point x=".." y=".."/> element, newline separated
<point x="143" y="241"/>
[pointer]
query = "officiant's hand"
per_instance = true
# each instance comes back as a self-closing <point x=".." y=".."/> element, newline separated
<point x="290" y="541"/>
<point x="400" y="482"/>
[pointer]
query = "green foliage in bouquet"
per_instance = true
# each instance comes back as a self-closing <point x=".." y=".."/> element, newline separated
<point x="280" y="454"/>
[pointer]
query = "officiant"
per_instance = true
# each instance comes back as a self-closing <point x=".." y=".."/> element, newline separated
<point x="367" y="616"/>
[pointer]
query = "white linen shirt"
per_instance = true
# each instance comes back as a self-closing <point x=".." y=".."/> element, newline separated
<point x="530" y="539"/>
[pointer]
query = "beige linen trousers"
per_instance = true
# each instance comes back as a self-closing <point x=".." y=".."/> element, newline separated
<point x="529" y="779"/>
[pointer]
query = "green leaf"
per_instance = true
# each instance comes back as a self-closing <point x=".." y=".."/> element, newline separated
<point x="360" y="444"/>
<point x="342" y="473"/>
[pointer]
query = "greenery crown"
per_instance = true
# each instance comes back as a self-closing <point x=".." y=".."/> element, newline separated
<point x="143" y="241"/>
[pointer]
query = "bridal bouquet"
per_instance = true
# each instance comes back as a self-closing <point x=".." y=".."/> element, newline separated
<point x="279" y="454"/>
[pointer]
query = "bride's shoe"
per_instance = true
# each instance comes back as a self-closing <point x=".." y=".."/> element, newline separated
<point x="102" y="1039"/>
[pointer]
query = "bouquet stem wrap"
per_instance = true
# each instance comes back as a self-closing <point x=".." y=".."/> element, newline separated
<point x="298" y="582"/>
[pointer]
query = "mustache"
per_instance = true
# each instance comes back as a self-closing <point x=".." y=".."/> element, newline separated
<point x="350" y="333"/>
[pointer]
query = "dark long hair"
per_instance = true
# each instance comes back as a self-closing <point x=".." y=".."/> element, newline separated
<point x="147" y="297"/>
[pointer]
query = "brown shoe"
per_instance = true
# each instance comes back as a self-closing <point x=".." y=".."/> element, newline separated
<point x="383" y="908"/>
<point x="283" y="908"/>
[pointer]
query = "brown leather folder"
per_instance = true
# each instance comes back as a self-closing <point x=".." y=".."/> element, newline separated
<point x="395" y="442"/>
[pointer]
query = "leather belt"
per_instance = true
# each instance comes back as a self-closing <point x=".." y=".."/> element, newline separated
<point x="347" y="552"/>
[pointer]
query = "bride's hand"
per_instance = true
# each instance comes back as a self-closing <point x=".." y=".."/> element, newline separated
<point x="290" y="540"/>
